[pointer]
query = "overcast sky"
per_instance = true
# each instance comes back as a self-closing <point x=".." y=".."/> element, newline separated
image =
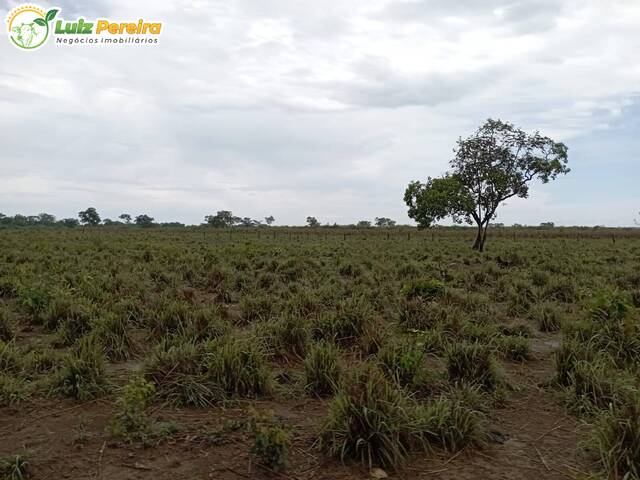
<point x="326" y="108"/>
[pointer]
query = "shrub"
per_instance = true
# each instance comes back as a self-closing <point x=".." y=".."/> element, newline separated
<point x="472" y="363"/>
<point x="271" y="440"/>
<point x="83" y="374"/>
<point x="130" y="420"/>
<point x="322" y="369"/>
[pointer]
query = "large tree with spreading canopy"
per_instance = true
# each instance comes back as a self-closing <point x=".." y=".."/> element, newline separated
<point x="494" y="164"/>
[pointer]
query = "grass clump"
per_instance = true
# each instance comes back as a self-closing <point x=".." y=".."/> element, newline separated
<point x="404" y="363"/>
<point x="425" y="288"/>
<point x="322" y="369"/>
<point x="15" y="467"/>
<point x="372" y="421"/>
<point x="83" y="375"/>
<point x="616" y="439"/>
<point x="6" y="326"/>
<point x="239" y="369"/>
<point x="12" y="390"/>
<point x="472" y="363"/>
<point x="547" y="317"/>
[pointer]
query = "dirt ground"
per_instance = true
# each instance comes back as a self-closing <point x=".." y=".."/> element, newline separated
<point x="531" y="438"/>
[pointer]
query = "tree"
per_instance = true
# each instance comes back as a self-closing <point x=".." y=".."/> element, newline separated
<point x="384" y="222"/>
<point x="547" y="225"/>
<point x="496" y="163"/>
<point x="312" y="222"/>
<point x="269" y="220"/>
<point x="69" y="222"/>
<point x="126" y="218"/>
<point x="144" y="221"/>
<point x="363" y="224"/>
<point x="89" y="217"/>
<point x="222" y="219"/>
<point x="46" y="219"/>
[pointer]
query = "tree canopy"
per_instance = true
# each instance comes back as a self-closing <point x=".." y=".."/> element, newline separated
<point x="496" y="163"/>
<point x="89" y="217"/>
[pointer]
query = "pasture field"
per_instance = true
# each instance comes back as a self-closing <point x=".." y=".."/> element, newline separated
<point x="318" y="354"/>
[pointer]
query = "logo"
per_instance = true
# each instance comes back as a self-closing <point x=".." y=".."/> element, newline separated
<point x="28" y="26"/>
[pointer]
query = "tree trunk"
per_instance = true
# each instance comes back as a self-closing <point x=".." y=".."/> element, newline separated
<point x="484" y="238"/>
<point x="478" y="241"/>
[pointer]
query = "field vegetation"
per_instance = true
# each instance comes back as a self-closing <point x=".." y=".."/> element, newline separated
<point x="270" y="352"/>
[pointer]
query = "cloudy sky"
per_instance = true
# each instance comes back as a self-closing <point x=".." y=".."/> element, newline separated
<point x="326" y="107"/>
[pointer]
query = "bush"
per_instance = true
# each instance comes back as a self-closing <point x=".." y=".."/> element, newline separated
<point x="271" y="440"/>
<point x="472" y="363"/>
<point x="130" y="420"/>
<point x="322" y="369"/>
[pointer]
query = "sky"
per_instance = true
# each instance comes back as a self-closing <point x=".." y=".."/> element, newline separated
<point x="297" y="108"/>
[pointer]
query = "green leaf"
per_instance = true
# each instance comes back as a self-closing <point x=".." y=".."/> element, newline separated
<point x="51" y="15"/>
<point x="40" y="21"/>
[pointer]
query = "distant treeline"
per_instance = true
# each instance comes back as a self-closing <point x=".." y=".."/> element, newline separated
<point x="225" y="219"/>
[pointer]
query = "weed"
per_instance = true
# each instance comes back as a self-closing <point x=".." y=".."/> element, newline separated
<point x="271" y="440"/>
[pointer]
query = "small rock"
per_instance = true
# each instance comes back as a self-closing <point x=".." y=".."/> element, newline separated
<point x="378" y="473"/>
